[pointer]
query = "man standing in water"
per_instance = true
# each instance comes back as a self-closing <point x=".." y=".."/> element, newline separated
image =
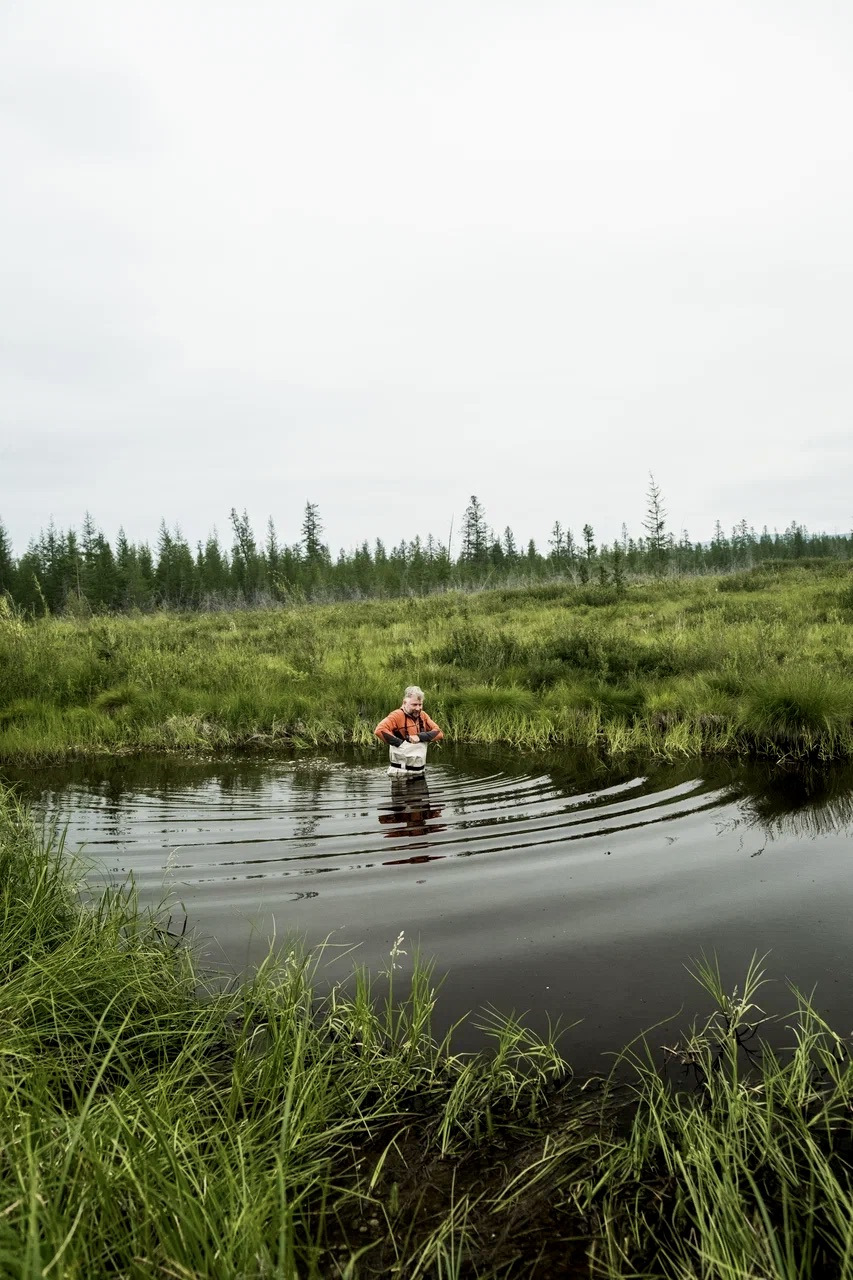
<point x="408" y="725"/>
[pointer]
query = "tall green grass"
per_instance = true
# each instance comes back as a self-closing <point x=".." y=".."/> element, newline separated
<point x="753" y="664"/>
<point x="747" y="1174"/>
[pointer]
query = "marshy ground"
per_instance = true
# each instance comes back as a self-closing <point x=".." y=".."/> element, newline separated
<point x="753" y="663"/>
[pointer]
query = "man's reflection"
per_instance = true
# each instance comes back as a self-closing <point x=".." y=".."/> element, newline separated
<point x="410" y="816"/>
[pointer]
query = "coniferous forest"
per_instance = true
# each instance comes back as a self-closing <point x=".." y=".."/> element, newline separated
<point x="81" y="571"/>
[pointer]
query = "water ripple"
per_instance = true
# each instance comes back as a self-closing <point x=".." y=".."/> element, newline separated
<point x="298" y="819"/>
<point x="556" y="886"/>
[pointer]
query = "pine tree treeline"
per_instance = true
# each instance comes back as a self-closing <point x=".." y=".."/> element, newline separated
<point x="66" y="571"/>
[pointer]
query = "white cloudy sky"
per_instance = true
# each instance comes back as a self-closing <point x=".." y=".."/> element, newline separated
<point x="382" y="255"/>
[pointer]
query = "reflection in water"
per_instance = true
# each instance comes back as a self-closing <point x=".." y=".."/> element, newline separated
<point x="490" y="803"/>
<point x="805" y="801"/>
<point x="555" y="886"/>
<point x="411" y="816"/>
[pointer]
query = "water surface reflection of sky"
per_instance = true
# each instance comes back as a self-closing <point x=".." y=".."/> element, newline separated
<point x="554" y="886"/>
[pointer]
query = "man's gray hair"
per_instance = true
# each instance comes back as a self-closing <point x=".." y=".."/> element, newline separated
<point x="413" y="692"/>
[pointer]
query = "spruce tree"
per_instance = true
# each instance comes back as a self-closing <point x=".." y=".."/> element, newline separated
<point x="474" y="532"/>
<point x="765" y="542"/>
<point x="244" y="538"/>
<point x="213" y="568"/>
<point x="557" y="542"/>
<point x="272" y="547"/>
<point x="48" y="562"/>
<point x="246" y="566"/>
<point x="185" y="585"/>
<point x="617" y="565"/>
<point x="164" y="573"/>
<point x="719" y="550"/>
<point x="89" y="550"/>
<point x="312" y="534"/>
<point x="175" y="576"/>
<point x="145" y="560"/>
<point x="743" y="539"/>
<point x="655" y="526"/>
<point x="7" y="564"/>
<point x="103" y="576"/>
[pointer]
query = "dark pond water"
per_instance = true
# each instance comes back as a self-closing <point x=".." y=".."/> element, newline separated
<point x="555" y="887"/>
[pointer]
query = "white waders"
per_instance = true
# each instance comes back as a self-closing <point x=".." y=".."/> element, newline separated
<point x="407" y="760"/>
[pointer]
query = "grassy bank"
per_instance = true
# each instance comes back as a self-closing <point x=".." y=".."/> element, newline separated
<point x="753" y="663"/>
<point x="150" y="1129"/>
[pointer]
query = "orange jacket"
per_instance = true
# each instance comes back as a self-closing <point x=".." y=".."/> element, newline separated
<point x="400" y="724"/>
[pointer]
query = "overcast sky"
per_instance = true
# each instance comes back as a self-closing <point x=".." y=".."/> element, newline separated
<point x="383" y="255"/>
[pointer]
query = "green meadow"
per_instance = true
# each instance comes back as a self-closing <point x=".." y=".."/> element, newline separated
<point x="151" y="1127"/>
<point x="757" y="662"/>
